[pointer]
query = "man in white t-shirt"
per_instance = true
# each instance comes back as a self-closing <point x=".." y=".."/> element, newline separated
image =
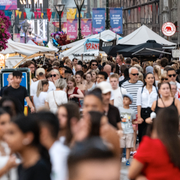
<point x="118" y="92"/>
<point x="40" y="73"/>
<point x="58" y="152"/>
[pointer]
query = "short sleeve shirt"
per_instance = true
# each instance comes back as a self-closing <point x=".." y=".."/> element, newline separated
<point x="127" y="115"/>
<point x="113" y="116"/>
<point x="40" y="170"/>
<point x="19" y="94"/>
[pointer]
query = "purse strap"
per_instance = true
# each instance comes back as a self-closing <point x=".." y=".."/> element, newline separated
<point x="55" y="99"/>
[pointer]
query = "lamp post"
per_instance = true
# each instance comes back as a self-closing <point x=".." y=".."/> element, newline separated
<point x="107" y="14"/>
<point x="18" y="28"/>
<point x="59" y="8"/>
<point x="25" y="29"/>
<point x="11" y="29"/>
<point x="79" y="5"/>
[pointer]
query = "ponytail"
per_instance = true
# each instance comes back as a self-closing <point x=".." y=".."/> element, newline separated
<point x="40" y="86"/>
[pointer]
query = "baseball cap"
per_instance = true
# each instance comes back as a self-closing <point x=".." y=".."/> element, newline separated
<point x="40" y="70"/>
<point x="129" y="96"/>
<point x="105" y="87"/>
<point x="149" y="69"/>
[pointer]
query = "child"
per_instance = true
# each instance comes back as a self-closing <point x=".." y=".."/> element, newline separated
<point x="128" y="116"/>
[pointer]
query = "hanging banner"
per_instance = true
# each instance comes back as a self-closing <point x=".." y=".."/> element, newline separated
<point x="91" y="45"/>
<point x="8" y="13"/>
<point x="103" y="43"/>
<point x="71" y="13"/>
<point x="116" y="20"/>
<point x="71" y="29"/>
<point x="98" y="20"/>
<point x="8" y="4"/>
<point x="86" y="27"/>
<point x="29" y="13"/>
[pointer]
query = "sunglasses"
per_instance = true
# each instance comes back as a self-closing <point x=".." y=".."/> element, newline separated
<point x="53" y="75"/>
<point x="170" y="75"/>
<point x="164" y="79"/>
<point x="136" y="74"/>
<point x="94" y="64"/>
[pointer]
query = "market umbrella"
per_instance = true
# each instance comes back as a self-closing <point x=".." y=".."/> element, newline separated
<point x="150" y="44"/>
<point x="149" y="52"/>
<point x="112" y="50"/>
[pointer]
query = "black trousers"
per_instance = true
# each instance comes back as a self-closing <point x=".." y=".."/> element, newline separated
<point x="142" y="128"/>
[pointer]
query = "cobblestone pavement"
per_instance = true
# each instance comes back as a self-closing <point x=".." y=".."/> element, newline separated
<point x="124" y="171"/>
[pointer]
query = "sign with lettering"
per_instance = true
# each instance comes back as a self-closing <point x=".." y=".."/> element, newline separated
<point x="8" y="4"/>
<point x="106" y="43"/>
<point x="86" y="27"/>
<point x="116" y="20"/>
<point x="71" y="29"/>
<point x="98" y="20"/>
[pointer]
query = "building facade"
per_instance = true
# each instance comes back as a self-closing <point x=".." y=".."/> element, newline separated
<point x="137" y="13"/>
<point x="170" y="12"/>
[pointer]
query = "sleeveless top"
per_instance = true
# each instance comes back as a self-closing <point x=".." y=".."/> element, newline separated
<point x="74" y="99"/>
<point x="158" y="108"/>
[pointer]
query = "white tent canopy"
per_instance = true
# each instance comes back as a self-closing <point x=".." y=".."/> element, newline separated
<point x="78" y="46"/>
<point x="50" y="45"/>
<point x="31" y="42"/>
<point x="107" y="35"/>
<point x="26" y="49"/>
<point x="142" y="35"/>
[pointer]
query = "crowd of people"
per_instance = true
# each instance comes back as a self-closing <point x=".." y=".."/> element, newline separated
<point x="86" y="118"/>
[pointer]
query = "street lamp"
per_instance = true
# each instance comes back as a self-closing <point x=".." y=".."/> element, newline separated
<point x="107" y="14"/>
<point x="25" y="29"/>
<point x="79" y="4"/>
<point x="11" y="29"/>
<point x="18" y="28"/>
<point x="59" y="8"/>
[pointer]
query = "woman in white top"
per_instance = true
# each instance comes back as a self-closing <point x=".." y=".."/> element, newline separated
<point x="145" y="98"/>
<point x="57" y="97"/>
<point x="7" y="162"/>
<point x="41" y="94"/>
<point x="90" y="85"/>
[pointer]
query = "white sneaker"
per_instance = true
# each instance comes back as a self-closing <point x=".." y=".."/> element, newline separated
<point x="123" y="159"/>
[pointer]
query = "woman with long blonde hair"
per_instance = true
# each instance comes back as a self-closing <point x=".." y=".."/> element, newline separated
<point x="41" y="94"/>
<point x="157" y="74"/>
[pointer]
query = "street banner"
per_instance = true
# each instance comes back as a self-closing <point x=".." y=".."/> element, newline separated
<point x="71" y="13"/>
<point x="91" y="45"/>
<point x="71" y="29"/>
<point x="116" y="20"/>
<point x="86" y="27"/>
<point x="8" y="4"/>
<point x="98" y="20"/>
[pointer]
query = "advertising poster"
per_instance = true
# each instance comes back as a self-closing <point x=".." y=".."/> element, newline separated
<point x="98" y="20"/>
<point x="8" y="4"/>
<point x="86" y="27"/>
<point x="91" y="45"/>
<point x="71" y="29"/>
<point x="116" y="20"/>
